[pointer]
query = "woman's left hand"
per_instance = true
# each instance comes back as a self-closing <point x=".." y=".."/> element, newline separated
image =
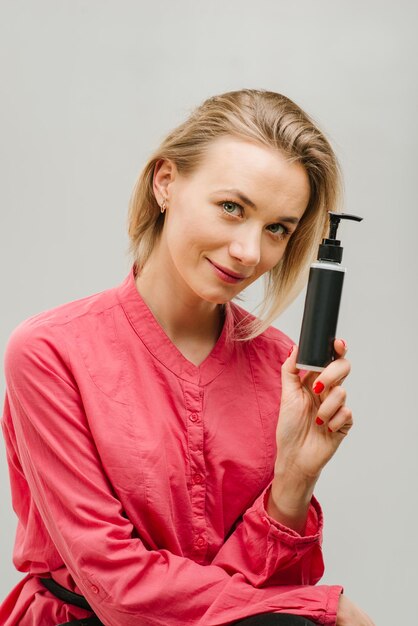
<point x="313" y="418"/>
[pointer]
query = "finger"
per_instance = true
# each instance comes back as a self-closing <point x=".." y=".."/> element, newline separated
<point x="340" y="347"/>
<point x="289" y="365"/>
<point x="332" y="404"/>
<point x="341" y="422"/>
<point x="290" y="373"/>
<point x="331" y="376"/>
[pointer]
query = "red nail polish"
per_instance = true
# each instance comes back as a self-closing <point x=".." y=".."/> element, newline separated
<point x="318" y="387"/>
<point x="329" y="430"/>
<point x="290" y="351"/>
<point x="319" y="421"/>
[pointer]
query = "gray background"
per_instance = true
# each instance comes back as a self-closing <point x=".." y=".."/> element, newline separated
<point x="88" y="89"/>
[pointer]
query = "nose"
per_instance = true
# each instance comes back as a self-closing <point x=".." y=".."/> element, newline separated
<point x="246" y="246"/>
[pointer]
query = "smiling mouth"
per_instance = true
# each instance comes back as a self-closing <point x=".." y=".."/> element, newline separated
<point x="228" y="273"/>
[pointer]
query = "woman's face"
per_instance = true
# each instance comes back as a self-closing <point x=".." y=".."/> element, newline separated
<point x="229" y="221"/>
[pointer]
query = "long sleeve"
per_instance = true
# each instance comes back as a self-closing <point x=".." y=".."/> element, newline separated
<point x="272" y="554"/>
<point x="125" y="583"/>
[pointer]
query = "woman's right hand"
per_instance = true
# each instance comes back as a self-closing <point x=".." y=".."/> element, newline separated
<point x="349" y="614"/>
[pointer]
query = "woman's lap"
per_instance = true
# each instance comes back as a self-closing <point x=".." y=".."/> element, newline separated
<point x="275" y="619"/>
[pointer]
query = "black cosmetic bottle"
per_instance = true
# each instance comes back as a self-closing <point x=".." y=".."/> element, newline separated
<point x="322" y="303"/>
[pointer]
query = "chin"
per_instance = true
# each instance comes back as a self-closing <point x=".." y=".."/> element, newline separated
<point x="217" y="298"/>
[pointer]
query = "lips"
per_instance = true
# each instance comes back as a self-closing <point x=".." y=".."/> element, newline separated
<point x="229" y="272"/>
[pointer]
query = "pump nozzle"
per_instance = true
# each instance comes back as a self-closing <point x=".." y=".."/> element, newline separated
<point x="330" y="249"/>
<point x="335" y="219"/>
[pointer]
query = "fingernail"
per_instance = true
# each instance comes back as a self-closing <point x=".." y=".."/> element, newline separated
<point x="290" y="351"/>
<point x="318" y="387"/>
<point x="319" y="421"/>
<point x="329" y="430"/>
<point x="345" y="343"/>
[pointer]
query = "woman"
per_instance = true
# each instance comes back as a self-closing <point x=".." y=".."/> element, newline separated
<point x="149" y="469"/>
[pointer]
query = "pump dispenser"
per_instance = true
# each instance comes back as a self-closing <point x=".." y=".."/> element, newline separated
<point x="322" y="303"/>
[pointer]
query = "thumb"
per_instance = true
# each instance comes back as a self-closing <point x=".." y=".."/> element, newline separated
<point x="294" y="375"/>
<point x="290" y="373"/>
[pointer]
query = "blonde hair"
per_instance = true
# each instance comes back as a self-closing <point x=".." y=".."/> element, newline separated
<point x="275" y="121"/>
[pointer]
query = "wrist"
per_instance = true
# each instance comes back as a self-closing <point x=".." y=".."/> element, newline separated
<point x="289" y="501"/>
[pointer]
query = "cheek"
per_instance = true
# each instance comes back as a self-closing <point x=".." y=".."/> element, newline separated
<point x="271" y="255"/>
<point x="186" y="240"/>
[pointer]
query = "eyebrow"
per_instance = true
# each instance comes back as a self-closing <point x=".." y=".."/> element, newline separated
<point x="245" y="200"/>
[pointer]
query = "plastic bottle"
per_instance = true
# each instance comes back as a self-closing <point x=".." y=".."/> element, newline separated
<point x="322" y="302"/>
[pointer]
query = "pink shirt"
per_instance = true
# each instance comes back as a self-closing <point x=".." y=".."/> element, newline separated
<point x="140" y="480"/>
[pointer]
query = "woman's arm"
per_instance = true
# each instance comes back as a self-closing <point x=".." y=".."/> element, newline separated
<point x="312" y="423"/>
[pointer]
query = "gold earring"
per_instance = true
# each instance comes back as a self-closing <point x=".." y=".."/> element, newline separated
<point x="163" y="205"/>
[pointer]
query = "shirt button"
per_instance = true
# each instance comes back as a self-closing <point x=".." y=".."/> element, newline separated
<point x="197" y="479"/>
<point x="193" y="417"/>
<point x="94" y="589"/>
<point x="200" y="542"/>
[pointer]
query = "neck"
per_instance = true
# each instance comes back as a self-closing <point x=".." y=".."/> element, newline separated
<point x="182" y="315"/>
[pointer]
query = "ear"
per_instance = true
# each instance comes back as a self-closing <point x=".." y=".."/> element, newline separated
<point x="164" y="173"/>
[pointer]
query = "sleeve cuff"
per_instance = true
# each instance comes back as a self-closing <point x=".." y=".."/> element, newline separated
<point x="313" y="527"/>
<point x="331" y="611"/>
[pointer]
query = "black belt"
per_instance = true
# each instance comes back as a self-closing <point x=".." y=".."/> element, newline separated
<point x="71" y="598"/>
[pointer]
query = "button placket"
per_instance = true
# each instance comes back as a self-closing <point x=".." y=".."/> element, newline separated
<point x="195" y="437"/>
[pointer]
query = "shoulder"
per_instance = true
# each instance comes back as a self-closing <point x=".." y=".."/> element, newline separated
<point x="69" y="311"/>
<point x="40" y="338"/>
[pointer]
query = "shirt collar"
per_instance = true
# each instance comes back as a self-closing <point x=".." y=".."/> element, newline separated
<point x="160" y="345"/>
